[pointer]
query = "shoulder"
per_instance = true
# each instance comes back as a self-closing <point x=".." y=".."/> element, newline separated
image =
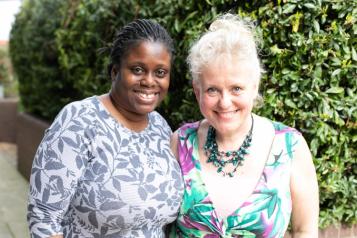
<point x="181" y="134"/>
<point x="289" y="134"/>
<point x="159" y="124"/>
<point x="78" y="108"/>
<point x="188" y="128"/>
<point x="75" y="116"/>
<point x="285" y="136"/>
<point x="156" y="118"/>
<point x="184" y="131"/>
<point x="292" y="138"/>
<point x="281" y="128"/>
<point x="264" y="126"/>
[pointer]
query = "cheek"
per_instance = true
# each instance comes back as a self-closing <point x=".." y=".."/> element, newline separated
<point x="207" y="102"/>
<point x="163" y="88"/>
<point x="164" y="84"/>
<point x="116" y="85"/>
<point x="247" y="101"/>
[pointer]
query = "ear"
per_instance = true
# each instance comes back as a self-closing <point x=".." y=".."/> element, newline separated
<point x="196" y="89"/>
<point x="114" y="73"/>
<point x="256" y="89"/>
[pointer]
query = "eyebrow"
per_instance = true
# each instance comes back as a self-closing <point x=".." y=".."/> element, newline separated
<point x="143" y="64"/>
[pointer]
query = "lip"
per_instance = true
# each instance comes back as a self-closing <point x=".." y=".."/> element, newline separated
<point x="146" y="97"/>
<point x="227" y="114"/>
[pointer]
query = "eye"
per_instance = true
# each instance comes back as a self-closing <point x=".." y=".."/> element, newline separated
<point x="236" y="90"/>
<point x="161" y="73"/>
<point x="212" y="91"/>
<point x="137" y="70"/>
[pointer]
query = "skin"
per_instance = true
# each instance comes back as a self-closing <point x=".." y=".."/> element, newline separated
<point x="304" y="191"/>
<point x="225" y="93"/>
<point x="138" y="85"/>
<point x="226" y="99"/>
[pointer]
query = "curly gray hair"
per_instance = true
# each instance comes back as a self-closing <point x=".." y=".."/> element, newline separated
<point x="228" y="37"/>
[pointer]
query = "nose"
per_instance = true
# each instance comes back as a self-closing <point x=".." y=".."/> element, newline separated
<point x="225" y="101"/>
<point x="148" y="80"/>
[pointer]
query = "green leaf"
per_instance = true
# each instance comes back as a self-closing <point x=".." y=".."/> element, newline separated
<point x="310" y="5"/>
<point x="335" y="90"/>
<point x="288" y="8"/>
<point x="316" y="26"/>
<point x="275" y="50"/>
<point x="177" y="25"/>
<point x="335" y="73"/>
<point x="354" y="54"/>
<point x="290" y="103"/>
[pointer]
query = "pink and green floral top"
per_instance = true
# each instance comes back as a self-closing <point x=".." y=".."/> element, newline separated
<point x="265" y="213"/>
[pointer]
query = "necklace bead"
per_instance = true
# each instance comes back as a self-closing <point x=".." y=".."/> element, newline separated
<point x="217" y="158"/>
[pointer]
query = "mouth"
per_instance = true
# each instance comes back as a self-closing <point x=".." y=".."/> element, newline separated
<point x="146" y="96"/>
<point x="227" y="115"/>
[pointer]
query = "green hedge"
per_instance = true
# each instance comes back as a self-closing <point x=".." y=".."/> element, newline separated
<point x="308" y="49"/>
<point x="4" y="71"/>
<point x="34" y="53"/>
<point x="7" y="81"/>
<point x="311" y="81"/>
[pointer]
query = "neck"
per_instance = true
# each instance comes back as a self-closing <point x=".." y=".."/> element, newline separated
<point x="131" y="120"/>
<point x="230" y="141"/>
<point x="220" y="158"/>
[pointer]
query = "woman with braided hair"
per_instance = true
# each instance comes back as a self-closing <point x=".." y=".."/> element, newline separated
<point x="104" y="168"/>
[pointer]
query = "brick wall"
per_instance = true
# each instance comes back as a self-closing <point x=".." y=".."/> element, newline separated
<point x="339" y="232"/>
<point x="336" y="232"/>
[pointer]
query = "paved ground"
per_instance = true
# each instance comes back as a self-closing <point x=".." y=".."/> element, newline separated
<point x="13" y="195"/>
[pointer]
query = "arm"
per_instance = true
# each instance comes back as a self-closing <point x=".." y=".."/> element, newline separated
<point x="304" y="192"/>
<point x="174" y="144"/>
<point x="57" y="167"/>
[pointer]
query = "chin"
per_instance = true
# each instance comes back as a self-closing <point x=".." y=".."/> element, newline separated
<point x="225" y="122"/>
<point x="145" y="109"/>
<point x="225" y="126"/>
<point x="226" y="129"/>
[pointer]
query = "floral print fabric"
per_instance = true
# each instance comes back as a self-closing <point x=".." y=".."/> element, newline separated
<point x="92" y="177"/>
<point x="266" y="212"/>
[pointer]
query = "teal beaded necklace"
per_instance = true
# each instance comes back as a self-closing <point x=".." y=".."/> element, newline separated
<point x="217" y="157"/>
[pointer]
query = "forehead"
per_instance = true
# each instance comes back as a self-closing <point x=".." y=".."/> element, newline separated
<point x="221" y="71"/>
<point x="148" y="48"/>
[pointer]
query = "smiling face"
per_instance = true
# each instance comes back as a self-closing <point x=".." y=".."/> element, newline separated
<point x="225" y="92"/>
<point x="142" y="80"/>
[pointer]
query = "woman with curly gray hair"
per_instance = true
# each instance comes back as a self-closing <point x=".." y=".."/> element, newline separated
<point x="244" y="175"/>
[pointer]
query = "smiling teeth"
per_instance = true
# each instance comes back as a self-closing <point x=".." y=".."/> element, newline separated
<point x="227" y="114"/>
<point x="147" y="96"/>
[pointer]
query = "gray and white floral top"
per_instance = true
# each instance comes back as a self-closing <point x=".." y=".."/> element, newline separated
<point x="92" y="177"/>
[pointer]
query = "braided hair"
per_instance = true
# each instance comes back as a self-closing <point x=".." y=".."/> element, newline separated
<point x="135" y="33"/>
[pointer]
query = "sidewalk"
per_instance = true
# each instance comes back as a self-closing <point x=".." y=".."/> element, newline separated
<point x="13" y="195"/>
